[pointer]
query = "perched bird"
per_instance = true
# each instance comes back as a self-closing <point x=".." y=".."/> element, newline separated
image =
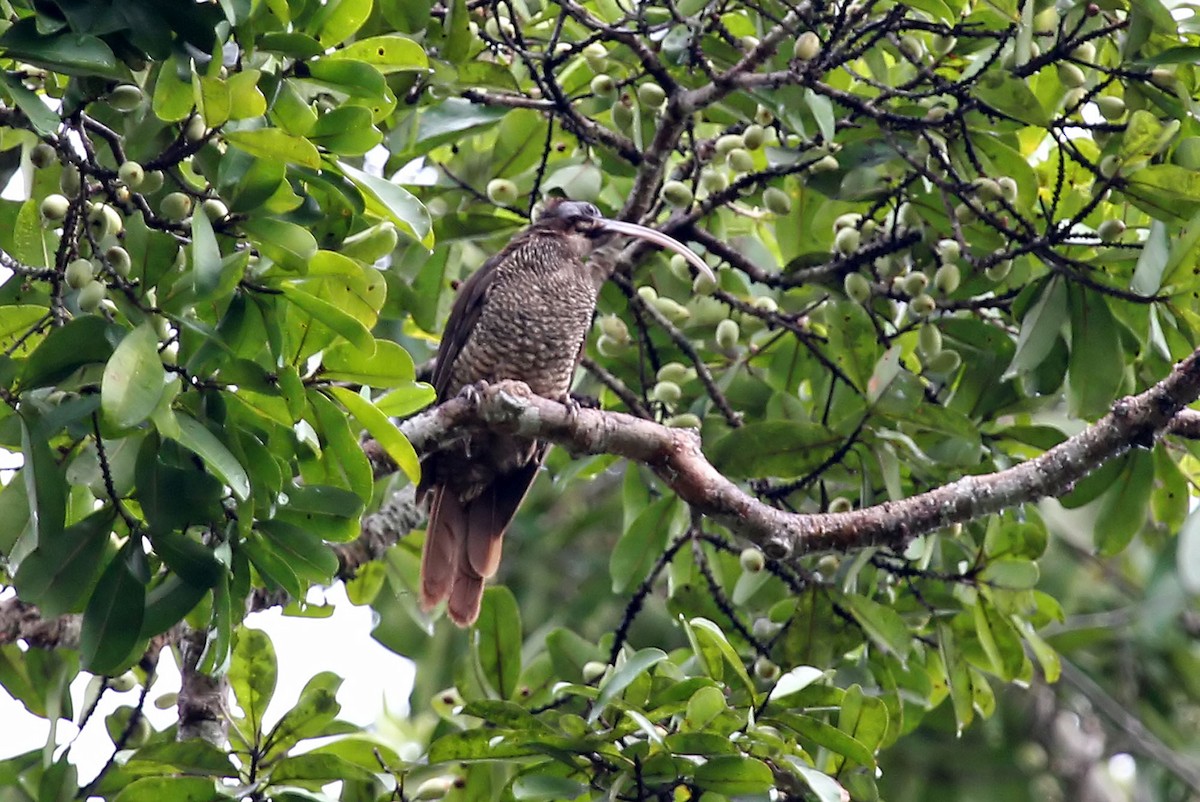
<point x="523" y="316"/>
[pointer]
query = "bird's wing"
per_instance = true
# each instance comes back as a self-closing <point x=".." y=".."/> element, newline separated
<point x="472" y="296"/>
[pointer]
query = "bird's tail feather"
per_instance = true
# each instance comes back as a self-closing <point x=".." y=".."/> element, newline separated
<point x="443" y="538"/>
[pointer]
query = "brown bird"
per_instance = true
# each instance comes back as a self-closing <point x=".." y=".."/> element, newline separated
<point x="523" y="316"/>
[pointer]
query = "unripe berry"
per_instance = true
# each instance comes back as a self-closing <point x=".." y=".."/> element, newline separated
<point x="54" y="207"/>
<point x="1085" y="51"/>
<point x="125" y="97"/>
<point x="42" y="155"/>
<point x="915" y="283"/>
<point x="69" y="181"/>
<point x="947" y="278"/>
<point x="609" y="347"/>
<point x="1008" y="188"/>
<point x="847" y="240"/>
<point x="118" y="259"/>
<point x="754" y="136"/>
<point x="765" y="669"/>
<point x="131" y="174"/>
<point x="176" y="206"/>
<point x="840" y="504"/>
<point x="727" y="334"/>
<point x="613" y="327"/>
<point x="604" y="86"/>
<point x="684" y="420"/>
<point x="674" y="372"/>
<point x="945" y="361"/>
<point x="999" y="271"/>
<point x="597" y="56"/>
<point x="677" y="193"/>
<point x="913" y="48"/>
<point x="593" y="670"/>
<point x="90" y="296"/>
<point x="923" y="305"/>
<point x="1111" y="230"/>
<point x="666" y="392"/>
<point x="740" y="160"/>
<point x="214" y="208"/>
<point x="807" y="46"/>
<point x="79" y="273"/>
<point x="929" y="339"/>
<point x="622" y="116"/>
<point x="947" y="250"/>
<point x="857" y="288"/>
<point x="647" y="293"/>
<point x="1162" y="77"/>
<point x="1109" y="166"/>
<point x="1112" y="108"/>
<point x="671" y="310"/>
<point x="752" y="560"/>
<point x="651" y="94"/>
<point x="195" y="128"/>
<point x="501" y="191"/>
<point x="153" y="181"/>
<point x="988" y="189"/>
<point x="1070" y="75"/>
<point x="777" y="201"/>
<point x="713" y="180"/>
<point x="727" y="142"/>
<point x="825" y="164"/>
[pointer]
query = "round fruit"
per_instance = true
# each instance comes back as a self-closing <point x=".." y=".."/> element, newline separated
<point x="677" y="193"/>
<point x="923" y="305"/>
<point x="740" y="160"/>
<point x="915" y="283"/>
<point x="857" y="288"/>
<point x="929" y="339"/>
<point x="1111" y="230"/>
<point x="69" y="181"/>
<point x="943" y="44"/>
<point x="727" y="142"/>
<point x="999" y="271"/>
<point x="1162" y="77"/>
<point x="947" y="278"/>
<point x="912" y="47"/>
<point x="765" y="669"/>
<point x="727" y="334"/>
<point x="647" y="293"/>
<point x="840" y="504"/>
<point x="847" y="240"/>
<point x="944" y="362"/>
<point x="713" y="180"/>
<point x="118" y="259"/>
<point x="1086" y="51"/>
<point x="622" y="116"/>
<point x="90" y="296"/>
<point x="684" y="420"/>
<point x="153" y="181"/>
<point x="825" y="164"/>
<point x="176" y="206"/>
<point x="1070" y="75"/>
<point x="79" y="273"/>
<point x="763" y="115"/>
<point x="666" y="392"/>
<point x="131" y="174"/>
<point x="947" y="250"/>
<point x="988" y="189"/>
<point x="651" y="94"/>
<point x="604" y="86"/>
<point x="607" y="346"/>
<point x="766" y="304"/>
<point x="703" y="285"/>
<point x="596" y="55"/>
<point x="674" y="372"/>
<point x="776" y="200"/>
<point x="752" y="560"/>
<point x="42" y="155"/>
<point x="614" y="328"/>
<point x="1111" y="108"/>
<point x="54" y="207"/>
<point x="1008" y="188"/>
<point x="125" y="97"/>
<point x="501" y="191"/>
<point x="593" y="670"/>
<point x="195" y="128"/>
<point x="214" y="209"/>
<point x="671" y="310"/>
<point x="1109" y="166"/>
<point x="754" y="136"/>
<point x="808" y="45"/>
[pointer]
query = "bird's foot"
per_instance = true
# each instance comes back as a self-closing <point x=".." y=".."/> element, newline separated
<point x="473" y="393"/>
<point x="580" y="401"/>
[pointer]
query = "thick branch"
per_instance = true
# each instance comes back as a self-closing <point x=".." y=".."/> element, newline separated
<point x="676" y="456"/>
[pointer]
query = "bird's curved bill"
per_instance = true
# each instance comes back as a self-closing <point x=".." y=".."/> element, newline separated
<point x="660" y="239"/>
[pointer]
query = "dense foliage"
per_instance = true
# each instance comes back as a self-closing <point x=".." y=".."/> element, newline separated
<point x="949" y="234"/>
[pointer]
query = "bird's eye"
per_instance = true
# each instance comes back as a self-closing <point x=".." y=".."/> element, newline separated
<point x="591" y="210"/>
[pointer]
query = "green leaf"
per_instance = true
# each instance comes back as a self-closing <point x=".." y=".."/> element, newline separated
<point x="168" y="602"/>
<point x="1166" y="191"/>
<point x="637" y="664"/>
<point x="1097" y="363"/>
<point x="70" y="53"/>
<point x="389" y="53"/>
<point x="337" y="20"/>
<point x="337" y="320"/>
<point x="1013" y="97"/>
<point x="45" y="487"/>
<point x="57" y="574"/>
<point x="1040" y="328"/>
<point x="253" y="674"/>
<point x="189" y="757"/>
<point x="498" y="640"/>
<point x="176" y="789"/>
<point x="389" y="366"/>
<point x="404" y="401"/>
<point x="643" y="542"/>
<point x="838" y="741"/>
<point x="546" y="787"/>
<point x="195" y="437"/>
<point x="110" y="638"/>
<point x="1011" y="574"/>
<point x="43" y="118"/>
<point x="314" y="711"/>
<point x="274" y="143"/>
<point x="715" y="646"/>
<point x="286" y="244"/>
<point x="735" y="775"/>
<point x="999" y="640"/>
<point x="331" y="513"/>
<point x="82" y="341"/>
<point x="134" y="379"/>
<point x="774" y="448"/>
<point x="883" y="624"/>
<point x="393" y="202"/>
<point x="1124" y="506"/>
<point x="208" y="268"/>
<point x="383" y="430"/>
<point x="305" y="553"/>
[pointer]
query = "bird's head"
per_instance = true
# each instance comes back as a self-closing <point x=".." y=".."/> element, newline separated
<point x="585" y="220"/>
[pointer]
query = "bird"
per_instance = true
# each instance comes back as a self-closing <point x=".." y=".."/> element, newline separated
<point x="524" y="316"/>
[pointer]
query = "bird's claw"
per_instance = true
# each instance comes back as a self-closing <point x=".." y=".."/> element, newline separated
<point x="473" y="393"/>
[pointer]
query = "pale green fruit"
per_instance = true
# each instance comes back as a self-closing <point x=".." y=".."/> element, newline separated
<point x="1162" y="77"/>
<point x="728" y="142"/>
<point x="1070" y="75"/>
<point x="857" y="288"/>
<point x="929" y="339"/>
<point x="666" y="392"/>
<point x="964" y="213"/>
<point x="912" y="47"/>
<point x="214" y="208"/>
<point x="622" y="116"/>
<point x="1085" y="51"/>
<point x="607" y="346"/>
<point x="42" y="155"/>
<point x="947" y="278"/>
<point x="671" y="310"/>
<point x="118" y="259"/>
<point x="79" y="272"/>
<point x="604" y="86"/>
<point x="90" y="296"/>
<point x="1111" y="230"/>
<point x="677" y="193"/>
<point x="104" y="220"/>
<point x="69" y="181"/>
<point x="54" y="207"/>
<point x="434" y="788"/>
<point x="125" y="97"/>
<point x="847" y="240"/>
<point x="614" y="328"/>
<point x="740" y="160"/>
<point x="765" y="669"/>
<point x="763" y="115"/>
<point x="647" y="293"/>
<point x="988" y="189"/>
<point x="703" y="285"/>
<point x="123" y="683"/>
<point x="1111" y="108"/>
<point x="766" y="304"/>
<point x="727" y="334"/>
<point x="825" y="164"/>
<point x="194" y="129"/>
<point x="1008" y="188"/>
<point x="593" y="670"/>
<point x="713" y="180"/>
<point x="915" y="283"/>
<point x="840" y="504"/>
<point x="999" y="271"/>
<point x="944" y="361"/>
<point x="597" y="56"/>
<point x="152" y="182"/>
<point x="942" y="44"/>
<point x="501" y="191"/>
<point x="176" y="206"/>
<point x="923" y="305"/>
<point x="651" y="94"/>
<point x="947" y="250"/>
<point x="1109" y="166"/>
<point x="684" y="420"/>
<point x="807" y="46"/>
<point x="675" y="372"/>
<point x="847" y="220"/>
<point x="777" y="201"/>
<point x="752" y="560"/>
<point x="131" y="174"/>
<point x="754" y="136"/>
